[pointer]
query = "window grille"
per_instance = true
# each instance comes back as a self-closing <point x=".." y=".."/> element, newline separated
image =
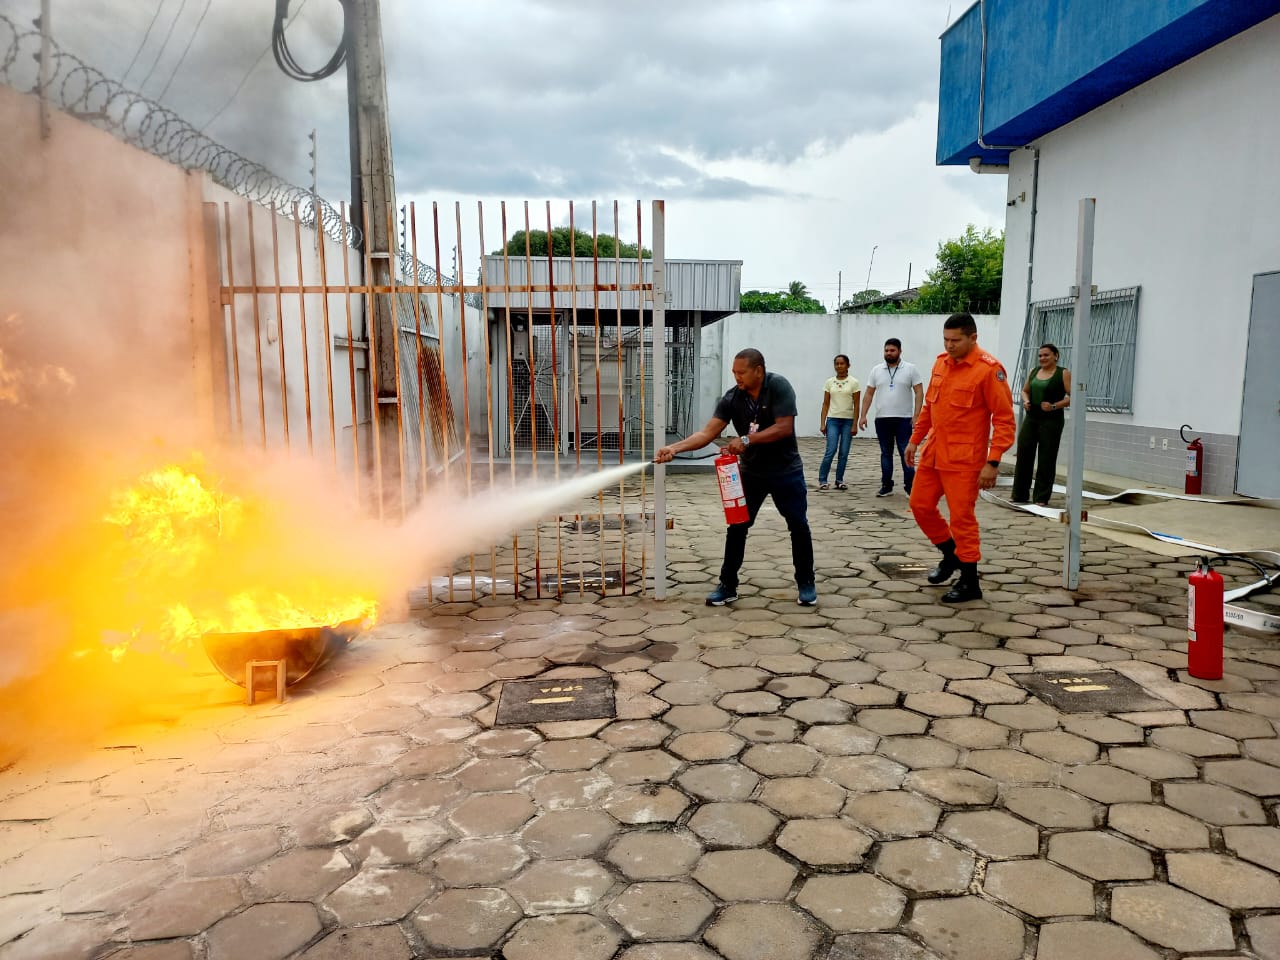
<point x="1113" y="342"/>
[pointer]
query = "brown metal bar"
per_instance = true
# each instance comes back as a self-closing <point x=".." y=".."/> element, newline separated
<point x="284" y="379"/>
<point x="257" y="326"/>
<point x="622" y="483"/>
<point x="302" y="320"/>
<point x="595" y="304"/>
<point x="417" y="327"/>
<point x="446" y="413"/>
<point x="372" y="362"/>
<point x="511" y="401"/>
<point x="577" y="387"/>
<point x="235" y="333"/>
<point x="488" y="390"/>
<point x="328" y="340"/>
<point x="644" y="512"/>
<point x="395" y="351"/>
<point x="533" y="395"/>
<point x="555" y="401"/>
<point x="292" y="288"/>
<point x="466" y="393"/>
<point x="351" y="357"/>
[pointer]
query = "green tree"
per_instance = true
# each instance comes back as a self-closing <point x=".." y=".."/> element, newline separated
<point x="757" y="301"/>
<point x="797" y="289"/>
<point x="967" y="276"/>
<point x="562" y="241"/>
<point x="858" y="299"/>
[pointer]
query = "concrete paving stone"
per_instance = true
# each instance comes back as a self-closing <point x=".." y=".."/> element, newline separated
<point x="161" y="834"/>
<point x="667" y="951"/>
<point x="713" y="745"/>
<point x="1023" y="716"/>
<point x="1171" y="917"/>
<point x="109" y="888"/>
<point x="803" y="796"/>
<point x="745" y="874"/>
<point x="835" y="650"/>
<point x="918" y="752"/>
<point x="693" y="719"/>
<point x="853" y="902"/>
<point x="661" y="910"/>
<point x="379" y="895"/>
<point x="492" y="814"/>
<point x="1262" y="704"/>
<point x="384" y="719"/>
<point x="1106" y="730"/>
<point x="992" y="833"/>
<point x="731" y="679"/>
<point x="893" y="813"/>
<point x="1230" y="723"/>
<point x="1052" y="807"/>
<point x="559" y="886"/>
<point x="680" y="671"/>
<point x="417" y="798"/>
<point x="877" y="946"/>
<point x="430" y="761"/>
<point x="786" y="663"/>
<point x="1158" y="826"/>
<point x="782" y="759"/>
<point x="820" y="710"/>
<point x="1264" y="751"/>
<point x="911" y="681"/>
<point x="688" y="693"/>
<point x="1195" y="743"/>
<point x="571" y="788"/>
<point x="265" y="931"/>
<point x="368" y="943"/>
<point x="763" y="931"/>
<point x="846" y="739"/>
<point x="577" y="754"/>
<point x="1152" y="762"/>
<point x="571" y="729"/>
<point x="438" y="729"/>
<point x="568" y="833"/>
<point x="182" y="909"/>
<point x="170" y="950"/>
<point x="1258" y="844"/>
<point x="471" y="919"/>
<point x="397" y="843"/>
<point x="503" y="743"/>
<point x="958" y="669"/>
<point x="1225" y="880"/>
<point x="956" y="788"/>
<point x="797" y="687"/>
<point x="766" y="729"/>
<point x="824" y="842"/>
<point x="63" y="939"/>
<point x="988" y="691"/>
<point x="640" y="766"/>
<point x="635" y="734"/>
<point x="1264" y="935"/>
<point x="733" y="824"/>
<point x="1214" y="804"/>
<point x="865" y="774"/>
<point x="479" y="862"/>
<point x="925" y="865"/>
<point x="655" y="855"/>
<point x="1248" y="776"/>
<point x="754" y="703"/>
<point x="1039" y="889"/>
<point x="649" y="803"/>
<point x="997" y="658"/>
<point x="938" y="704"/>
<point x="968" y="928"/>
<point x="1101" y="856"/>
<point x="301" y="875"/>
<point x="895" y="661"/>
<point x="1011" y="766"/>
<point x="1072" y="939"/>
<point x="1106" y="784"/>
<point x="333" y="823"/>
<point x="848" y="671"/>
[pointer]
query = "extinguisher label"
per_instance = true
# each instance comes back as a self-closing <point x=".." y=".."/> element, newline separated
<point x="1191" y="464"/>
<point x="730" y="484"/>
<point x="1191" y="610"/>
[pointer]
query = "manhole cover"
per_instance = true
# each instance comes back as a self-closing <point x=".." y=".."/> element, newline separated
<point x="905" y="570"/>
<point x="1101" y="691"/>
<point x="871" y="515"/>
<point x="541" y="701"/>
<point x="574" y="579"/>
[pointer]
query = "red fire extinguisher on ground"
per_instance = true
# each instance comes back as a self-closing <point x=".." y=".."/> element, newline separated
<point x="1195" y="461"/>
<point x="731" y="492"/>
<point x="1205" y="622"/>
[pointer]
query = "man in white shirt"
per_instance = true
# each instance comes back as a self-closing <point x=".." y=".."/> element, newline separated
<point x="900" y="391"/>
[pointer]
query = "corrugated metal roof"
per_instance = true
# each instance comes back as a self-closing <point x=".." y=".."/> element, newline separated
<point x="711" y="286"/>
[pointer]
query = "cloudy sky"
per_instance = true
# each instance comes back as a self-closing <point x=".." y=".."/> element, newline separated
<point x="794" y="136"/>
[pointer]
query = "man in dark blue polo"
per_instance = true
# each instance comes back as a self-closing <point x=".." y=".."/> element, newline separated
<point x="762" y="408"/>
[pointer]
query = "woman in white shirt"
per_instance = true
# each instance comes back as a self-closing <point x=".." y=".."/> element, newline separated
<point x="839" y="409"/>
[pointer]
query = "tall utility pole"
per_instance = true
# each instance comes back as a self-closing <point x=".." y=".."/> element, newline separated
<point x="873" y="260"/>
<point x="373" y="198"/>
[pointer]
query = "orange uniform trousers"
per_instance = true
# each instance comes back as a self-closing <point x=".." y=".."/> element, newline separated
<point x="960" y="487"/>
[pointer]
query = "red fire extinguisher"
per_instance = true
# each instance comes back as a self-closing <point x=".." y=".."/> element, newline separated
<point x="1204" y="622"/>
<point x="731" y="492"/>
<point x="1195" y="461"/>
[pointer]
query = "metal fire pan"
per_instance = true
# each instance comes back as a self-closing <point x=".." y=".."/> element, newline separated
<point x="304" y="649"/>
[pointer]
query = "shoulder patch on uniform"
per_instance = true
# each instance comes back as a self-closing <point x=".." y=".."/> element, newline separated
<point x="988" y="358"/>
<point x="1000" y="375"/>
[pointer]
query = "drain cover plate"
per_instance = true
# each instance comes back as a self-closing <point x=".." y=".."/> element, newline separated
<point x="542" y="701"/>
<point x="1098" y="691"/>
<point x="871" y="515"/>
<point x="905" y="570"/>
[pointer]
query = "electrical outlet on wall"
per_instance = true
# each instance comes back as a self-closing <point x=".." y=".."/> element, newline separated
<point x="1164" y="443"/>
<point x="1152" y="443"/>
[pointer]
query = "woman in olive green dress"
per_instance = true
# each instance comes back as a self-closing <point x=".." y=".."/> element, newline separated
<point x="1045" y="395"/>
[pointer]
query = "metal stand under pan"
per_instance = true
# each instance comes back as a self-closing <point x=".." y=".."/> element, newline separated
<point x="294" y="652"/>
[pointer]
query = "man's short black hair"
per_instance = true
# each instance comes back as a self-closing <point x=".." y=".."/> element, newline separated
<point x="753" y="356"/>
<point x="893" y="342"/>
<point x="963" y="322"/>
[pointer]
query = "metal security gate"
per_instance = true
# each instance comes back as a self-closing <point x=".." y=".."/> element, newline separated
<point x="541" y="369"/>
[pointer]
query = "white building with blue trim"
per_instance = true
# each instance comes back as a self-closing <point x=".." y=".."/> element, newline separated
<point x="1164" y="111"/>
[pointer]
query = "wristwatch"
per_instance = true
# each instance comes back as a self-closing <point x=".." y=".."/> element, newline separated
<point x="746" y="441"/>
<point x="994" y="463"/>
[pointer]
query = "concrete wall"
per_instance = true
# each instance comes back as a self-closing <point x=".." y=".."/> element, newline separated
<point x="802" y="346"/>
<point x="1189" y="209"/>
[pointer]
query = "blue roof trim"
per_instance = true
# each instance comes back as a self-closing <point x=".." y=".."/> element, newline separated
<point x="1045" y="67"/>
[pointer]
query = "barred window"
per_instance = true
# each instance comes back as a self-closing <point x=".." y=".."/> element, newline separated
<point x="1113" y="341"/>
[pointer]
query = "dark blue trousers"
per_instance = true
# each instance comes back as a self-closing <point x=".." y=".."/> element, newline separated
<point x="791" y="497"/>
<point x="890" y="431"/>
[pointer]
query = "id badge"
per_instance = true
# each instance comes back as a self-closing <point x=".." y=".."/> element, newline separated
<point x="753" y="428"/>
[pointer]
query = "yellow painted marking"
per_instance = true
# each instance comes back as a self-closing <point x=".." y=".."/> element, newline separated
<point x="553" y="699"/>
<point x="1087" y="688"/>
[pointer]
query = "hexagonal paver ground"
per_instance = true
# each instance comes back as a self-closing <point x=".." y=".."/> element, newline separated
<point x="825" y="843"/>
<point x="1172" y="917"/>
<point x="763" y="931"/>
<point x="579" y="936"/>
<point x="853" y="902"/>
<point x="968" y="928"/>
<point x="661" y="910"/>
<point x="1039" y="889"/>
<point x="745" y="875"/>
<point x="469" y="919"/>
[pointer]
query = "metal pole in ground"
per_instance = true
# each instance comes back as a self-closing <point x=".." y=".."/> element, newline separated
<point x="1083" y="293"/>
<point x="659" y="398"/>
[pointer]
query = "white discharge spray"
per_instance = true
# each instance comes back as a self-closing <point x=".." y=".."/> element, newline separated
<point x="449" y="526"/>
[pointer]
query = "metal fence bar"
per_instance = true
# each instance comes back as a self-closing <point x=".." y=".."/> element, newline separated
<point x="351" y="362"/>
<point x="445" y="412"/>
<point x="511" y="402"/>
<point x="328" y="345"/>
<point x="375" y="388"/>
<point x="395" y="352"/>
<point x="284" y="380"/>
<point x="644" y="510"/>
<point x="577" y="390"/>
<point x="302" y="320"/>
<point x="235" y="333"/>
<point x="257" y="327"/>
<point x="555" y="399"/>
<point x="622" y="422"/>
<point x="595" y="272"/>
<point x="488" y="393"/>
<point x="417" y="344"/>
<point x="466" y="392"/>
<point x="532" y="363"/>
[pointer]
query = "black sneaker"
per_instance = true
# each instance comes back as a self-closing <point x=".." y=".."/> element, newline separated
<point x="721" y="595"/>
<point x="886" y="490"/>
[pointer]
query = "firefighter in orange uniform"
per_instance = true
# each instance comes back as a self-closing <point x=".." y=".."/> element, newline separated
<point x="961" y="434"/>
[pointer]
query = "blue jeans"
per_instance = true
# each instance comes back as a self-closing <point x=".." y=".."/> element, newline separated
<point x="891" y="430"/>
<point x="791" y="497"/>
<point x="839" y="434"/>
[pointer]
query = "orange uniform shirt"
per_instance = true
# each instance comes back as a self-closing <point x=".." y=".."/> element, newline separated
<point x="967" y="417"/>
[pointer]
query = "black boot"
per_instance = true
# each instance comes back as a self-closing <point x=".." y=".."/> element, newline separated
<point x="947" y="565"/>
<point x="966" y="588"/>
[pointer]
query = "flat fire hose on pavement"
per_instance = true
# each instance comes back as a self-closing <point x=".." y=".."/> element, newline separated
<point x="1259" y="559"/>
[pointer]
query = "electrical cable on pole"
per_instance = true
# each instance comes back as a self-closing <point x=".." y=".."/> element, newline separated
<point x="185" y="50"/>
<point x="284" y="56"/>
<point x="164" y="44"/>
<point x="137" y="53"/>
